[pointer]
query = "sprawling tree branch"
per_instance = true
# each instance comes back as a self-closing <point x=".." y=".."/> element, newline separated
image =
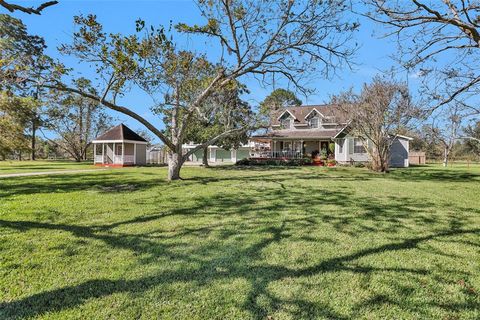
<point x="439" y="40"/>
<point x="125" y="110"/>
<point x="15" y="7"/>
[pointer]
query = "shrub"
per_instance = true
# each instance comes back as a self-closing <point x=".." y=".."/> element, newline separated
<point x="243" y="162"/>
<point x="307" y="160"/>
<point x="331" y="162"/>
<point x="359" y="165"/>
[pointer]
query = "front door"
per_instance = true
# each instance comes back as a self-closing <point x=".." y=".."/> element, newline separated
<point x="324" y="147"/>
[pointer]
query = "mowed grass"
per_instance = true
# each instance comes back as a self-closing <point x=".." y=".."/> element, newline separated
<point x="242" y="243"/>
<point x="8" y="167"/>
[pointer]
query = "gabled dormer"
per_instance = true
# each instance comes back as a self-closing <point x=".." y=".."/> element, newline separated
<point x="286" y="120"/>
<point x="316" y="120"/>
<point x="313" y="119"/>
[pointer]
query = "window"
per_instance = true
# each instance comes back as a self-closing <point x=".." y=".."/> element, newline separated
<point x="285" y="123"/>
<point x="358" y="146"/>
<point x="313" y="122"/>
<point x="118" y="152"/>
<point x="340" y="143"/>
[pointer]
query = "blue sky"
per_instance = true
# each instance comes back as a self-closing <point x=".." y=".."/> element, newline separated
<point x="56" y="26"/>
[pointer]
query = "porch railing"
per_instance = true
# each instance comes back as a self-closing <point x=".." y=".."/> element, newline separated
<point x="123" y="159"/>
<point x="99" y="159"/>
<point x="286" y="154"/>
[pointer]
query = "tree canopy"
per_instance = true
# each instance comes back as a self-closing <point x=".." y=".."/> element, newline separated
<point x="263" y="39"/>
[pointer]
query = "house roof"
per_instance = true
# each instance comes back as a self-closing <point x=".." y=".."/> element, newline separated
<point x="120" y="133"/>
<point x="300" y="113"/>
<point x="301" y="134"/>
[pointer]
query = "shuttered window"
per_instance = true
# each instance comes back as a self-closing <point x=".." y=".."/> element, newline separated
<point x="358" y="146"/>
<point x="340" y="145"/>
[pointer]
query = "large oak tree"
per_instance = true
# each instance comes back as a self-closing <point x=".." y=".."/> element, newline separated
<point x="254" y="38"/>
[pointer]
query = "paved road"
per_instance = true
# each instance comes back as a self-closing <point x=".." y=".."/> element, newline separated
<point x="44" y="173"/>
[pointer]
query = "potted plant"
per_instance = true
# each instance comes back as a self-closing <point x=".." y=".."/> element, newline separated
<point x="331" y="162"/>
<point x="323" y="154"/>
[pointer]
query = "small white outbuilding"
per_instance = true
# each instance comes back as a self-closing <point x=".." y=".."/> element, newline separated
<point x="120" y="147"/>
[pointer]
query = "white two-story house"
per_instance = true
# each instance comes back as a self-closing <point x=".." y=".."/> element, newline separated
<point x="320" y="130"/>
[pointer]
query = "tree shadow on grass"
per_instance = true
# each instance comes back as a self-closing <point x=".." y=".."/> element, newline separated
<point x="259" y="275"/>
<point x="347" y="214"/>
<point x="351" y="173"/>
<point x="275" y="214"/>
<point x="102" y="182"/>
<point x="434" y="175"/>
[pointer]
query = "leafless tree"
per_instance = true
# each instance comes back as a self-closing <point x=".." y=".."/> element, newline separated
<point x="259" y="38"/>
<point x="377" y="115"/>
<point x="439" y="41"/>
<point x="446" y="128"/>
<point x="15" y="7"/>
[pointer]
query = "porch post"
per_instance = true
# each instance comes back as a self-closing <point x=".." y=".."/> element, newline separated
<point x="134" y="153"/>
<point x="114" y="153"/>
<point x="123" y="152"/>
<point x="103" y="153"/>
<point x="94" y="153"/>
<point x="301" y="148"/>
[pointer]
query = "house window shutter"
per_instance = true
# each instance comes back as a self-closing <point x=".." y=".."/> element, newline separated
<point x="350" y="145"/>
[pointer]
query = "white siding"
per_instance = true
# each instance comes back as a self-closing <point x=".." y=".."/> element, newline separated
<point x="351" y="155"/>
<point x="141" y="154"/>
<point x="399" y="153"/>
<point x="341" y="156"/>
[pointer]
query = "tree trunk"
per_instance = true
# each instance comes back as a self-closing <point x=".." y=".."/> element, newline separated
<point x="445" y="157"/>
<point x="34" y="131"/>
<point x="175" y="163"/>
<point x="380" y="160"/>
<point x="205" y="157"/>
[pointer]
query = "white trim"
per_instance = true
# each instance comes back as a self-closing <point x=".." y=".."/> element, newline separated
<point x="286" y="110"/>
<point x="119" y="141"/>
<point x="191" y="146"/>
<point x="401" y="136"/>
<point x="135" y="153"/>
<point x="314" y="109"/>
<point x="213" y="155"/>
<point x="341" y="130"/>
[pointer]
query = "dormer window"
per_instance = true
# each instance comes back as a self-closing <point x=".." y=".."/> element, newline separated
<point x="314" y="122"/>
<point x="286" y="123"/>
<point x="286" y="119"/>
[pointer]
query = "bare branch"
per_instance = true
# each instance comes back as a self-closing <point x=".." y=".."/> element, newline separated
<point x="15" y="7"/>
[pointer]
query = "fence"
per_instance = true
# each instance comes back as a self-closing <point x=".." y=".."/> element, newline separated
<point x="416" y="157"/>
<point x="156" y="156"/>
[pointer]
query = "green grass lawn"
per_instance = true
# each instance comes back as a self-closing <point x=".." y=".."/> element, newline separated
<point x="7" y="167"/>
<point x="231" y="243"/>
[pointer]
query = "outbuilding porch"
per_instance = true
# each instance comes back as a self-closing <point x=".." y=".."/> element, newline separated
<point x="115" y="154"/>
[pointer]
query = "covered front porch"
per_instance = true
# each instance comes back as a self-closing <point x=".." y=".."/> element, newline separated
<point x="295" y="149"/>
